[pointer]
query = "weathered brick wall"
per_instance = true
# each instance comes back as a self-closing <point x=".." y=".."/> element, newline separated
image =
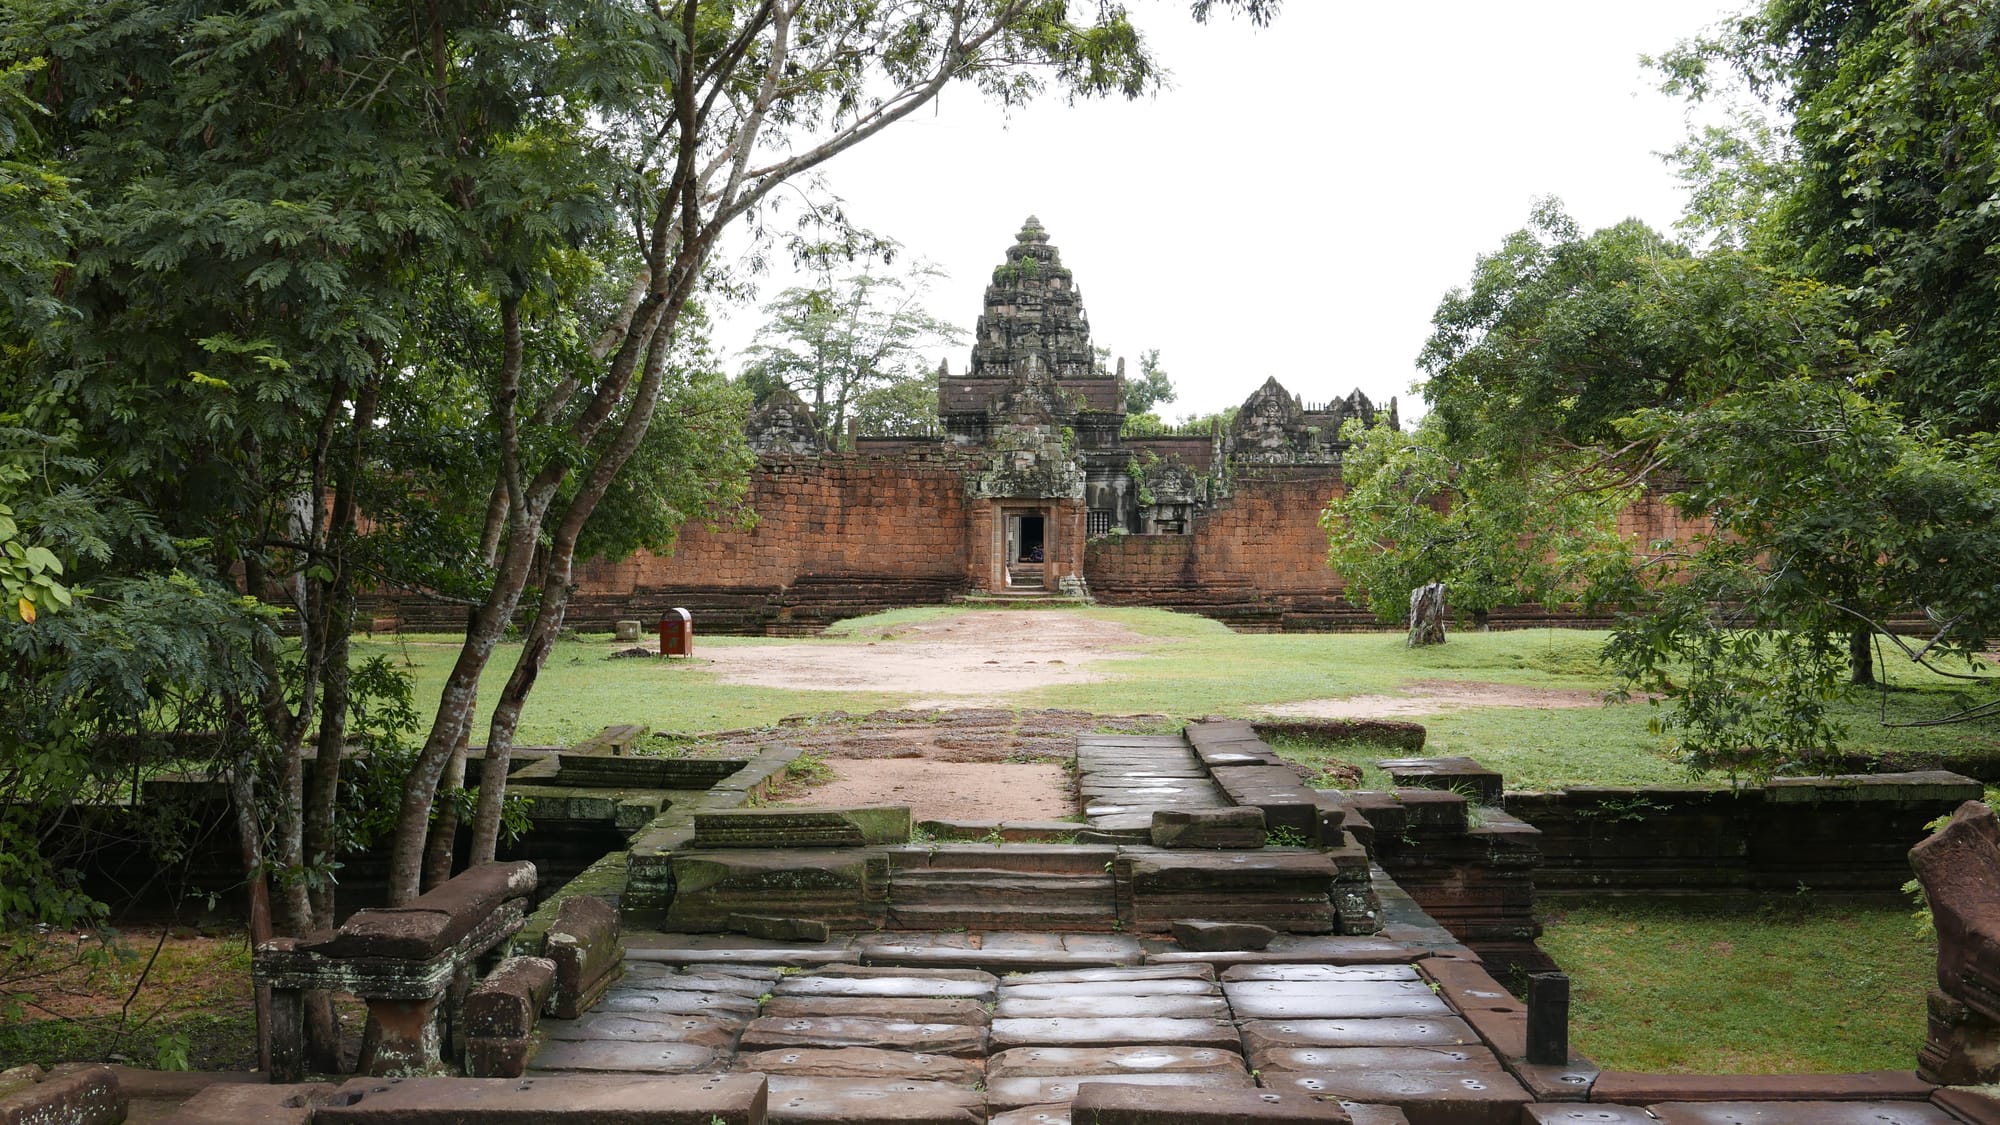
<point x="1256" y="560"/>
<point x="1841" y="835"/>
<point x="836" y="535"/>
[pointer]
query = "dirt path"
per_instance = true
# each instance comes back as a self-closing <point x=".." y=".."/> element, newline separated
<point x="968" y="659"/>
<point x="962" y="764"/>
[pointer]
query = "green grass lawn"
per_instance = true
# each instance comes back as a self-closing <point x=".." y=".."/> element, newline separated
<point x="1186" y="667"/>
<point x="1715" y="989"/>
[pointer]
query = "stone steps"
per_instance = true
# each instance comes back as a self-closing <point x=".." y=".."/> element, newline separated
<point x="1002" y="899"/>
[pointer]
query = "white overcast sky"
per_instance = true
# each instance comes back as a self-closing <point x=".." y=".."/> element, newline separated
<point x="1301" y="197"/>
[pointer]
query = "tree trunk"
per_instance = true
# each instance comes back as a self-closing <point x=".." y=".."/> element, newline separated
<point x="250" y="844"/>
<point x="1427" y="612"/>
<point x="1861" y="657"/>
<point x="444" y="826"/>
<point x="557" y="575"/>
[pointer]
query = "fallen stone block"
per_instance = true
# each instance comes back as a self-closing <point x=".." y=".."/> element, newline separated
<point x="1112" y="1103"/>
<point x="1457" y="774"/>
<point x="87" y="1095"/>
<point x="695" y="1099"/>
<point x="1208" y="828"/>
<point x="772" y="928"/>
<point x="1959" y="867"/>
<point x="1212" y="937"/>
<point x="584" y="944"/>
<point x="506" y="1004"/>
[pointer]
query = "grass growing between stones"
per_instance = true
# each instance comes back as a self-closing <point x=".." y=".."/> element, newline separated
<point x="1789" y="986"/>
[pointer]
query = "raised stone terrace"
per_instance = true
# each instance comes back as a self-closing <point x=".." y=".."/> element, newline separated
<point x="1156" y="961"/>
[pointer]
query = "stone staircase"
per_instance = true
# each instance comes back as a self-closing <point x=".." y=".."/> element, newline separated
<point x="1003" y="887"/>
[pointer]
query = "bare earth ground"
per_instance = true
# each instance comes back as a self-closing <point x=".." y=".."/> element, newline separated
<point x="1428" y="697"/>
<point x="964" y="764"/>
<point x="967" y="660"/>
<point x="965" y="668"/>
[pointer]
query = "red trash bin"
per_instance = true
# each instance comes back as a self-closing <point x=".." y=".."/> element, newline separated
<point x="677" y="633"/>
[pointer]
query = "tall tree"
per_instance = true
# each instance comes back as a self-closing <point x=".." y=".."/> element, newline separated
<point x="853" y="346"/>
<point x="1411" y="514"/>
<point x="750" y="97"/>
<point x="1151" y="388"/>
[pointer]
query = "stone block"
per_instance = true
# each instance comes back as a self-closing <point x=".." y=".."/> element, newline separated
<point x="1570" y="1113"/>
<point x="1786" y="1113"/>
<point x="506" y="1004"/>
<point x="861" y="1062"/>
<point x="233" y="1103"/>
<point x="649" y="1027"/>
<point x="609" y="1056"/>
<point x="584" y="943"/>
<point x="1081" y="990"/>
<point x="87" y="1095"/>
<point x="1169" y="1007"/>
<point x="433" y="922"/>
<point x="1465" y="1094"/>
<point x="1210" y="937"/>
<point x="1631" y="1088"/>
<point x="1959" y="867"/>
<point x="625" y="630"/>
<point x="856" y="827"/>
<point x="1076" y="1061"/>
<point x="958" y="1010"/>
<point x="770" y="1034"/>
<point x="1961" y="1047"/>
<point x="1008" y="1093"/>
<point x="1459" y="775"/>
<point x="1092" y="1032"/>
<point x="845" y="888"/>
<point x="860" y="1101"/>
<point x="694" y="1099"/>
<point x="19" y="1078"/>
<point x="1112" y="1103"/>
<point x="1334" y="1000"/>
<point x="1208" y="828"/>
<point x="772" y="928"/>
<point x="1264" y="1037"/>
<point x="1284" y="890"/>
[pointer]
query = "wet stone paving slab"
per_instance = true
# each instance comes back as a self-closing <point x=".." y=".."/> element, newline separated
<point x="935" y="1041"/>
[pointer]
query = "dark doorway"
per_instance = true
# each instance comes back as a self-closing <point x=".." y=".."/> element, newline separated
<point x="1031" y="539"/>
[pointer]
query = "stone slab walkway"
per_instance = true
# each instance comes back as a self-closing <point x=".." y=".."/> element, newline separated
<point x="1122" y="779"/>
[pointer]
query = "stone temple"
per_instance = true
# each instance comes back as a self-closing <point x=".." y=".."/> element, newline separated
<point x="1034" y="485"/>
